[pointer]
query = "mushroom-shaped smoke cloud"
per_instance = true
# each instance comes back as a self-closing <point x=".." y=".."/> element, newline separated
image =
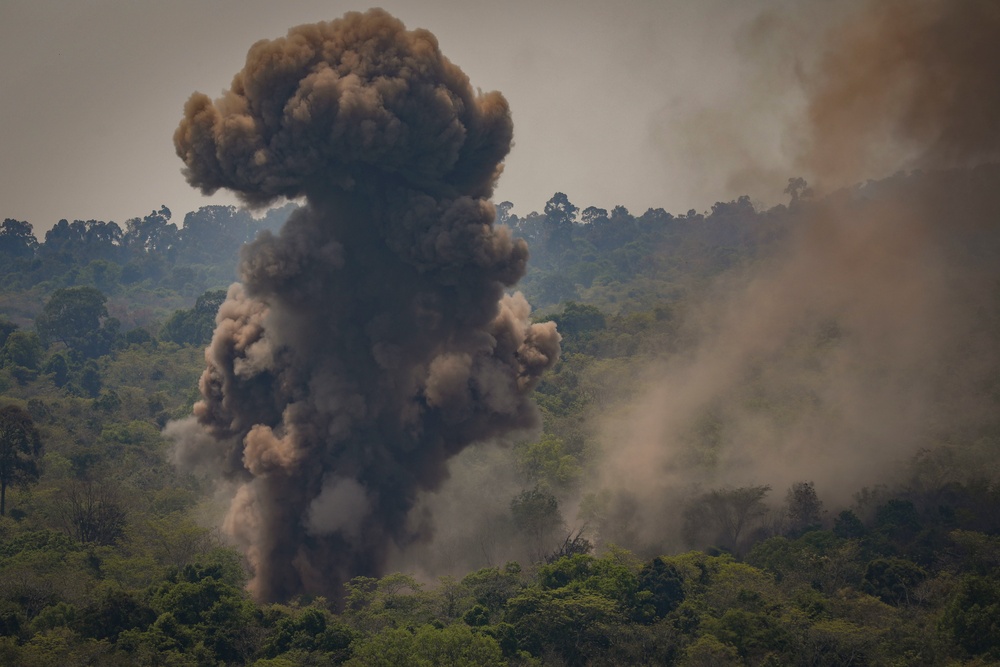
<point x="372" y="339"/>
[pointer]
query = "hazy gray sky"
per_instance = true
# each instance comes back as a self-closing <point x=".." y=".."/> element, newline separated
<point x="613" y="103"/>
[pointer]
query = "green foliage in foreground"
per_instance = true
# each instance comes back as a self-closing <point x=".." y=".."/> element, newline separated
<point x="687" y="609"/>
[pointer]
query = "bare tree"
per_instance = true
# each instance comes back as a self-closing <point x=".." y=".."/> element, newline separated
<point x="573" y="544"/>
<point x="93" y="513"/>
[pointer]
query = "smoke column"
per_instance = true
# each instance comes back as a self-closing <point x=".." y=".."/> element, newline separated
<point x="873" y="330"/>
<point x="370" y="340"/>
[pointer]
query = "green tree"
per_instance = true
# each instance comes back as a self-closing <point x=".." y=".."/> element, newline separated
<point x="547" y="462"/>
<point x="620" y="214"/>
<point x="893" y="579"/>
<point x="592" y="213"/>
<point x="454" y="646"/>
<point x="395" y="600"/>
<point x="837" y="641"/>
<point x="579" y="626"/>
<point x="492" y="587"/>
<point x="708" y="651"/>
<point x="6" y="329"/>
<point x="102" y="274"/>
<point x="308" y="630"/>
<point x="16" y="239"/>
<point x="198" y="610"/>
<point x="90" y="379"/>
<point x="579" y="319"/>
<point x="74" y="316"/>
<point x="803" y="507"/>
<point x="972" y="617"/>
<point x="847" y="525"/>
<point x="23" y="348"/>
<point x="195" y="326"/>
<point x="137" y="336"/>
<point x="555" y="288"/>
<point x="661" y="589"/>
<point x="58" y="368"/>
<point x="20" y="451"/>
<point x="112" y="612"/>
<point x="897" y="520"/>
<point x="153" y="234"/>
<point x="560" y="211"/>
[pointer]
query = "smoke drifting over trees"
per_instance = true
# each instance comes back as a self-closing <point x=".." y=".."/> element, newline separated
<point x="905" y="84"/>
<point x="837" y="92"/>
<point x="871" y="332"/>
<point x="371" y="339"/>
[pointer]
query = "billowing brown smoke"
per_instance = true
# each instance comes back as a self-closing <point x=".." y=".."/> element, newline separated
<point x="873" y="332"/>
<point x="906" y="84"/>
<point x="842" y="91"/>
<point x="371" y="340"/>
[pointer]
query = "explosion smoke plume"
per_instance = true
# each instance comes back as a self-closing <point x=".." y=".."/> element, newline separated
<point x="371" y="340"/>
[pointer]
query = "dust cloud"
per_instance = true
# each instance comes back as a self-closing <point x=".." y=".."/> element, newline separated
<point x="872" y="332"/>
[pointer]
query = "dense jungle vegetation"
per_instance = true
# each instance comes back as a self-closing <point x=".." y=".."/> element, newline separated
<point x="110" y="556"/>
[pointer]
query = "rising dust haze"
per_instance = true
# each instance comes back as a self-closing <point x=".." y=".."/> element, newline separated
<point x="870" y="333"/>
<point x="873" y="332"/>
<point x="371" y="340"/>
<point x="905" y="85"/>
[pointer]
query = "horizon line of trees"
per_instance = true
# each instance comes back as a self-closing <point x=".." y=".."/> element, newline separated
<point x="200" y="253"/>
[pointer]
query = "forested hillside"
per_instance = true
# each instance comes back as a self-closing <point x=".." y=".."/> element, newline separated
<point x="769" y="440"/>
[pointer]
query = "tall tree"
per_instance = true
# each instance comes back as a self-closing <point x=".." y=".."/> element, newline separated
<point x="20" y="451"/>
<point x="560" y="211"/>
<point x="803" y="506"/>
<point x="151" y="234"/>
<point x="16" y="239"/>
<point x="504" y="215"/>
<point x="592" y="213"/>
<point x="73" y="316"/>
<point x="620" y="214"/>
<point x="798" y="189"/>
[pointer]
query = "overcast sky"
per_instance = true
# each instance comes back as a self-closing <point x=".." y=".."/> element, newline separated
<point x="613" y="103"/>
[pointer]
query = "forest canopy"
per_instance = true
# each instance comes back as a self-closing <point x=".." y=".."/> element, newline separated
<point x="544" y="554"/>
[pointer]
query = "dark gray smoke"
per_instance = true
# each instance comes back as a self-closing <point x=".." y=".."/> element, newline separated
<point x="371" y="340"/>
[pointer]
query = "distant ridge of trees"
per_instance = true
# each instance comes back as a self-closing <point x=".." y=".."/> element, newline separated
<point x="152" y="249"/>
